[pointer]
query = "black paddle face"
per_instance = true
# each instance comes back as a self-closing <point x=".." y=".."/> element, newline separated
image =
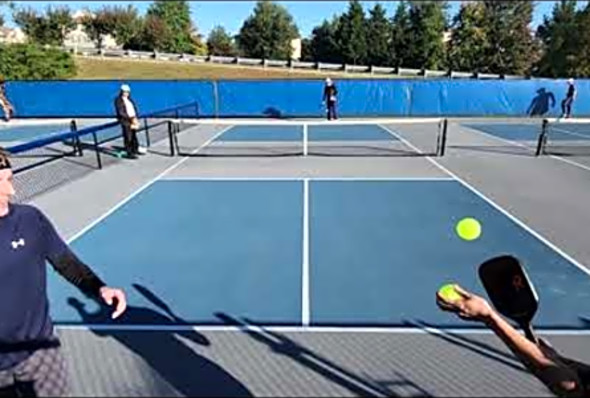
<point x="509" y="288"/>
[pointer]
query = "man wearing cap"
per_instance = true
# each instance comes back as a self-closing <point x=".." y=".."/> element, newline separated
<point x="566" y="104"/>
<point x="31" y="362"/>
<point x="127" y="116"/>
<point x="330" y="93"/>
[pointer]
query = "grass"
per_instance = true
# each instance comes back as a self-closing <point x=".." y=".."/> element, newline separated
<point x="94" y="68"/>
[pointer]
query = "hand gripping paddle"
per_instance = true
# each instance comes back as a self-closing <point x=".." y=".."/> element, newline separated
<point x="510" y="291"/>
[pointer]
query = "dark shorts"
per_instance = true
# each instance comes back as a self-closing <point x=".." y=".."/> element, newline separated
<point x="43" y="374"/>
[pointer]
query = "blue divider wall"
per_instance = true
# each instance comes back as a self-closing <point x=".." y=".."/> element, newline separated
<point x="303" y="98"/>
<point x="96" y="98"/>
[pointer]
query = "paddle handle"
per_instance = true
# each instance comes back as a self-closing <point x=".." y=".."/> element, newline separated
<point x="529" y="333"/>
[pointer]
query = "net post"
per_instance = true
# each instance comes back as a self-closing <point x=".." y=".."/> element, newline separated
<point x="77" y="143"/>
<point x="171" y="137"/>
<point x="542" y="138"/>
<point x="147" y="132"/>
<point x="305" y="139"/>
<point x="443" y="140"/>
<point x="97" y="150"/>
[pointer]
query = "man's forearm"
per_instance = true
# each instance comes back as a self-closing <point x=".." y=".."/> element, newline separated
<point x="78" y="273"/>
<point x="557" y="376"/>
<point x="522" y="347"/>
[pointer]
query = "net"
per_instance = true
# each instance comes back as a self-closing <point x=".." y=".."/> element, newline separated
<point x="237" y="138"/>
<point x="565" y="138"/>
<point x="507" y="136"/>
<point x="54" y="159"/>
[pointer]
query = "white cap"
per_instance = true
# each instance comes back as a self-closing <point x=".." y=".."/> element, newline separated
<point x="328" y="80"/>
<point x="125" y="88"/>
<point x="570" y="81"/>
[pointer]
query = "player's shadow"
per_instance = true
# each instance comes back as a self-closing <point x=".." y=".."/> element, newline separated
<point x="183" y="368"/>
<point x="359" y="385"/>
<point x="539" y="105"/>
<point x="478" y="347"/>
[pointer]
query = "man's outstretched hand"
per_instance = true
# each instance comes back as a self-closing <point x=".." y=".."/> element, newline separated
<point x="111" y="295"/>
<point x="469" y="306"/>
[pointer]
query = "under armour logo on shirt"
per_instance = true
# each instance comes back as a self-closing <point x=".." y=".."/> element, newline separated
<point x="17" y="243"/>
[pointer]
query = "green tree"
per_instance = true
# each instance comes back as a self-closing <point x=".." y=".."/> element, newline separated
<point x="561" y="40"/>
<point x="469" y="39"/>
<point x="427" y="27"/>
<point x="323" y="44"/>
<point x="378" y="37"/>
<point x="220" y="42"/>
<point x="49" y="28"/>
<point x="180" y="35"/>
<point x="401" y="36"/>
<point x="511" y="48"/>
<point x="583" y="27"/>
<point x="268" y="32"/>
<point x="352" y="34"/>
<point x="32" y="61"/>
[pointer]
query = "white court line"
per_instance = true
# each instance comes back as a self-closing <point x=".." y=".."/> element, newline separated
<point x="190" y="178"/>
<point x="312" y="329"/>
<point x="140" y="189"/>
<point x="507" y="214"/>
<point x="515" y="143"/>
<point x="305" y="293"/>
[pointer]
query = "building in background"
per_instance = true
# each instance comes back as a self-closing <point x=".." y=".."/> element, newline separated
<point x="78" y="39"/>
<point x="12" y="35"/>
<point x="296" y="49"/>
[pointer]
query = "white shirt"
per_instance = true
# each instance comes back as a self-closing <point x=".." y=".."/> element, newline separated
<point x="129" y="107"/>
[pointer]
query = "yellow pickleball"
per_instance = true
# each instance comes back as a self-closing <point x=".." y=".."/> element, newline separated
<point x="449" y="293"/>
<point x="468" y="228"/>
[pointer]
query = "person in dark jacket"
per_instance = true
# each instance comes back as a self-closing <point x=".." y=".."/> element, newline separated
<point x="127" y="115"/>
<point x="330" y="93"/>
<point x="566" y="104"/>
<point x="31" y="361"/>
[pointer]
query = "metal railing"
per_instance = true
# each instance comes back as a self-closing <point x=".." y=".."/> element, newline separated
<point x="287" y="64"/>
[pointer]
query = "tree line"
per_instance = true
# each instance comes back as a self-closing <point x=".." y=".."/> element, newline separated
<point x="484" y="36"/>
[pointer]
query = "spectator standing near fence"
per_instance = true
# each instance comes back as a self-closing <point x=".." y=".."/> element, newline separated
<point x="5" y="103"/>
<point x="127" y="115"/>
<point x="330" y="94"/>
<point x="570" y="96"/>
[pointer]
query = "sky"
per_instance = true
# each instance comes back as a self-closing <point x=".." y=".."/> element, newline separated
<point x="231" y="14"/>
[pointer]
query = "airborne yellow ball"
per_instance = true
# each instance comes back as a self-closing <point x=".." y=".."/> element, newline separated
<point x="468" y="228"/>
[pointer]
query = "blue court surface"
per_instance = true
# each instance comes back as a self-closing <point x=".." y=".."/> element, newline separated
<point x="319" y="252"/>
<point x="509" y="131"/>
<point x="558" y="131"/>
<point x="349" y="132"/>
<point x="31" y="132"/>
<point x="336" y="132"/>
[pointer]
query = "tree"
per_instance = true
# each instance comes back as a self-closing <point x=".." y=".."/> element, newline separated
<point x="179" y="31"/>
<point x="50" y="28"/>
<point x="401" y="39"/>
<point x="268" y="32"/>
<point x="427" y="26"/>
<point x="220" y="42"/>
<point x="583" y="28"/>
<point x="469" y="39"/>
<point x="352" y="34"/>
<point x="323" y="44"/>
<point x="378" y="36"/>
<point x="31" y="61"/>
<point x="560" y="38"/>
<point x="511" y="48"/>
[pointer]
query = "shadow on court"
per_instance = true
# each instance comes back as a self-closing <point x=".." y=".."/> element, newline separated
<point x="188" y="372"/>
<point x="359" y="385"/>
